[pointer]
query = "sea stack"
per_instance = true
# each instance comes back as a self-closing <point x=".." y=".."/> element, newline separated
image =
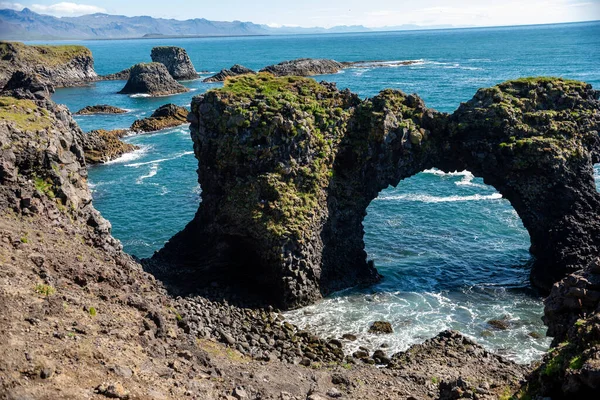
<point x="153" y="79"/>
<point x="176" y="60"/>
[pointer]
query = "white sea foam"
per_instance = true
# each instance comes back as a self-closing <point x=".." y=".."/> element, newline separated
<point x="127" y="157"/>
<point x="425" y="198"/>
<point x="153" y="171"/>
<point x="140" y="95"/>
<point x="136" y="165"/>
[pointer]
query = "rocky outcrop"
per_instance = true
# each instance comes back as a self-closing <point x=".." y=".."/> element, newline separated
<point x="100" y="146"/>
<point x="100" y="109"/>
<point x="153" y="79"/>
<point x="58" y="66"/>
<point x="117" y="76"/>
<point x="288" y="168"/>
<point x="176" y="60"/>
<point x="166" y="116"/>
<point x="304" y="67"/>
<point x="235" y="70"/>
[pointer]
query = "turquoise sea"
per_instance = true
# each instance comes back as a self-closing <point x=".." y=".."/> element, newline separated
<point x="454" y="254"/>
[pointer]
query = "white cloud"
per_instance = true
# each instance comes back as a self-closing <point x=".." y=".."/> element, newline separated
<point x="66" y="9"/>
<point x="11" y="6"/>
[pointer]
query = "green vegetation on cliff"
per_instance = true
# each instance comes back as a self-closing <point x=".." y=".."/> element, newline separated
<point x="44" y="55"/>
<point x="24" y="113"/>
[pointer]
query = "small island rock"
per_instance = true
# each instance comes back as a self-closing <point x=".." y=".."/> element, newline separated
<point x="381" y="327"/>
<point x="100" y="146"/>
<point x="236" y="70"/>
<point x="304" y="67"/>
<point x="166" y="116"/>
<point x="153" y="79"/>
<point x="176" y="60"/>
<point x="100" y="109"/>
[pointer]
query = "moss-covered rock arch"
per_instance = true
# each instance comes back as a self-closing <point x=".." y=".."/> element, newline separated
<point x="288" y="168"/>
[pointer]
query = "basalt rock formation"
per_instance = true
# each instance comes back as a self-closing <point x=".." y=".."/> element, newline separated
<point x="117" y="76"/>
<point x="100" y="109"/>
<point x="153" y="79"/>
<point x="166" y="116"/>
<point x="288" y="168"/>
<point x="176" y="60"/>
<point x="58" y="66"/>
<point x="100" y="146"/>
<point x="304" y="67"/>
<point x="235" y="70"/>
<point x="83" y="320"/>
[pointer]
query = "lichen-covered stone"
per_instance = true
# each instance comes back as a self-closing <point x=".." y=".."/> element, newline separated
<point x="153" y="79"/>
<point x="176" y="60"/>
<point x="166" y="116"/>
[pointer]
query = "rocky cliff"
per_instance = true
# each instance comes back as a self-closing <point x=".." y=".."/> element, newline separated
<point x="82" y="320"/>
<point x="176" y="60"/>
<point x="56" y="65"/>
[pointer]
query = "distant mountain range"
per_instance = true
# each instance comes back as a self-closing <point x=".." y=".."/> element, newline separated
<point x="28" y="25"/>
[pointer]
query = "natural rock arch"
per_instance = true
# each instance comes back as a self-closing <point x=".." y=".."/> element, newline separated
<point x="288" y="168"/>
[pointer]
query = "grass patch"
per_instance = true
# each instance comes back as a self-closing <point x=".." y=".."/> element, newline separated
<point x="43" y="186"/>
<point x="576" y="362"/>
<point x="44" y="290"/>
<point x="42" y="54"/>
<point x="92" y="311"/>
<point x="26" y="115"/>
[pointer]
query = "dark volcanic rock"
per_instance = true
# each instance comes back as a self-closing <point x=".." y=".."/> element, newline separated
<point x="153" y="79"/>
<point x="176" y="60"/>
<point x="58" y="66"/>
<point x="288" y="168"/>
<point x="100" y="146"/>
<point x="304" y="67"/>
<point x="166" y="116"/>
<point x="100" y="109"/>
<point x="22" y="85"/>
<point x="381" y="327"/>
<point x="118" y="76"/>
<point x="236" y="70"/>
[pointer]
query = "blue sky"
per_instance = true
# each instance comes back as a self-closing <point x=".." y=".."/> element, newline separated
<point x="372" y="13"/>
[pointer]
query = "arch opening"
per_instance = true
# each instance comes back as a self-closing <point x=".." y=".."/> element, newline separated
<point x="453" y="255"/>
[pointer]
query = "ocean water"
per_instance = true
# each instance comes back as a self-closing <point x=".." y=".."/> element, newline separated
<point x="452" y="251"/>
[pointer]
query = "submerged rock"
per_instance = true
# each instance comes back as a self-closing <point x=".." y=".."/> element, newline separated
<point x="381" y="327"/>
<point x="235" y="70"/>
<point x="166" y="116"/>
<point x="176" y="60"/>
<point x="100" y="109"/>
<point x="101" y="146"/>
<point x="304" y="67"/>
<point x="153" y="79"/>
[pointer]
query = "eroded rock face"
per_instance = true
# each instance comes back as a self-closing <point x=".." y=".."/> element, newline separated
<point x="153" y="79"/>
<point x="176" y="60"/>
<point x="235" y="70"/>
<point x="304" y="67"/>
<point x="288" y="168"/>
<point x="166" y="116"/>
<point x="42" y="165"/>
<point x="58" y="66"/>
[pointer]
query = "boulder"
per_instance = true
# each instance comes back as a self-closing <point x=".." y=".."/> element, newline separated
<point x="166" y="116"/>
<point x="235" y="70"/>
<point x="176" y="60"/>
<point x="100" y="109"/>
<point x="381" y="327"/>
<point x="304" y="67"/>
<point x="153" y="79"/>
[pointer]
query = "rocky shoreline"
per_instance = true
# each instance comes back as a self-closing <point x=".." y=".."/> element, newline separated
<point x="86" y="320"/>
